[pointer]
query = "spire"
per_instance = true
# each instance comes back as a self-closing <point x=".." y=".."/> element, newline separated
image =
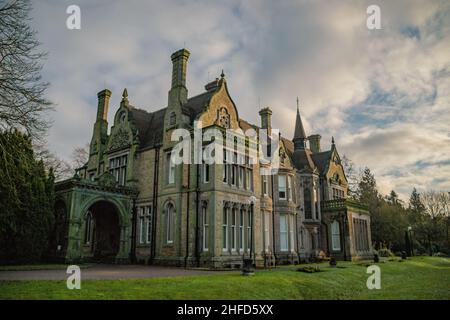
<point x="124" y="97"/>
<point x="299" y="134"/>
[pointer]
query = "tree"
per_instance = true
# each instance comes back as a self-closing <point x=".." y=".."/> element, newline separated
<point x="80" y="156"/>
<point x="351" y="175"/>
<point x="27" y="196"/>
<point x="60" y="169"/>
<point x="22" y="102"/>
<point x="434" y="219"/>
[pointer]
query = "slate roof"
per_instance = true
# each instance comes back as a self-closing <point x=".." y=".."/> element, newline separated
<point x="197" y="104"/>
<point x="150" y="128"/>
<point x="149" y="125"/>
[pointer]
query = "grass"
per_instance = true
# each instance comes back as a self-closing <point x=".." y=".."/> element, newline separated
<point x="417" y="278"/>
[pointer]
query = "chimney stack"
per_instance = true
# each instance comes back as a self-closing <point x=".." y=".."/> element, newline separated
<point x="266" y="120"/>
<point x="179" y="62"/>
<point x="103" y="104"/>
<point x="314" y="143"/>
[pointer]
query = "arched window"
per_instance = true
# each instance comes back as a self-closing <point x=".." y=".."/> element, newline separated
<point x="307" y="199"/>
<point x="335" y="236"/>
<point x="170" y="210"/>
<point x="205" y="220"/>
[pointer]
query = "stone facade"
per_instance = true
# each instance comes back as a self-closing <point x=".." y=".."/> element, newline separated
<point x="128" y="203"/>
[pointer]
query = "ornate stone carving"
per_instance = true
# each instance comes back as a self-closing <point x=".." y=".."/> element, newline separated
<point x="107" y="180"/>
<point x="120" y="139"/>
<point x="223" y="118"/>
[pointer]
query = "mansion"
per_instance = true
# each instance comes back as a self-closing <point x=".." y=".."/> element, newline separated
<point x="130" y="204"/>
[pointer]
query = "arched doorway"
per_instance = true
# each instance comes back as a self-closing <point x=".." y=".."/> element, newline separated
<point x="102" y="231"/>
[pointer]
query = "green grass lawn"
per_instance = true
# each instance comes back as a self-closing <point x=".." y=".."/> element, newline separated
<point x="417" y="278"/>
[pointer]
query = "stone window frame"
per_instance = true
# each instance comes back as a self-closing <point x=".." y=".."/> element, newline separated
<point x="205" y="227"/>
<point x="169" y="220"/>
<point x="335" y="235"/>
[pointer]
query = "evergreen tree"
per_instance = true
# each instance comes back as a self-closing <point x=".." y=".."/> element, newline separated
<point x="26" y="206"/>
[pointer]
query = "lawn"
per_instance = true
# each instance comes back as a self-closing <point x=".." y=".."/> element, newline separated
<point x="417" y="278"/>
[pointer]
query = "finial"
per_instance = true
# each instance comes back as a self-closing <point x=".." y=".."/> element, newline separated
<point x="125" y="93"/>
<point x="332" y="140"/>
<point x="297" y="105"/>
<point x="222" y="75"/>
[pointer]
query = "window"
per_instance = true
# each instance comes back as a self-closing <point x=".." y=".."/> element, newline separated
<point x="282" y="187"/>
<point x="241" y="229"/>
<point x="172" y="119"/>
<point x="283" y="233"/>
<point x="148" y="215"/>
<point x="205" y="229"/>
<point x="291" y="231"/>
<point x="264" y="185"/>
<point x="234" y="170"/>
<point x="316" y="203"/>
<point x="142" y="229"/>
<point x="225" y="166"/>
<point x="205" y="173"/>
<point x="88" y="229"/>
<point x="241" y="177"/>
<point x="335" y="236"/>
<point x="169" y="223"/>
<point x="249" y="229"/>
<point x="266" y="231"/>
<point x="289" y="190"/>
<point x="249" y="182"/>
<point x="118" y="168"/>
<point x="233" y="230"/>
<point x="307" y="199"/>
<point x="225" y="229"/>
<point x="170" y="169"/>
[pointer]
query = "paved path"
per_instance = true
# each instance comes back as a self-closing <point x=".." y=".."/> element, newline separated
<point x="103" y="271"/>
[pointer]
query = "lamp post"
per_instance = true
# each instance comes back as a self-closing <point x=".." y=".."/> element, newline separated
<point x="249" y="264"/>
<point x="411" y="240"/>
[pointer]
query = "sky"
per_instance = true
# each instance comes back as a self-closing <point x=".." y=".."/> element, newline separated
<point x="384" y="94"/>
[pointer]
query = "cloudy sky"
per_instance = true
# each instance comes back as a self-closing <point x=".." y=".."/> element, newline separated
<point x="383" y="94"/>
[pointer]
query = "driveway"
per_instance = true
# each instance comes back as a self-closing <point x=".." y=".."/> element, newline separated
<point x="104" y="271"/>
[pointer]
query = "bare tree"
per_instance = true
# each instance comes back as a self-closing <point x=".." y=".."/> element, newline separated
<point x="61" y="169"/>
<point x="80" y="156"/>
<point x="22" y="102"/>
<point x="351" y="175"/>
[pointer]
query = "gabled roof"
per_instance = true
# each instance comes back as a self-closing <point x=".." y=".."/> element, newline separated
<point x="149" y="125"/>
<point x="322" y="159"/>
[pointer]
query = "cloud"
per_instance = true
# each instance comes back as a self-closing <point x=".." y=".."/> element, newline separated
<point x="384" y="94"/>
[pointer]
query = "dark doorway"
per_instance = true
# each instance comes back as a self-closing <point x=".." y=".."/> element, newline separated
<point x="59" y="237"/>
<point x="104" y="231"/>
